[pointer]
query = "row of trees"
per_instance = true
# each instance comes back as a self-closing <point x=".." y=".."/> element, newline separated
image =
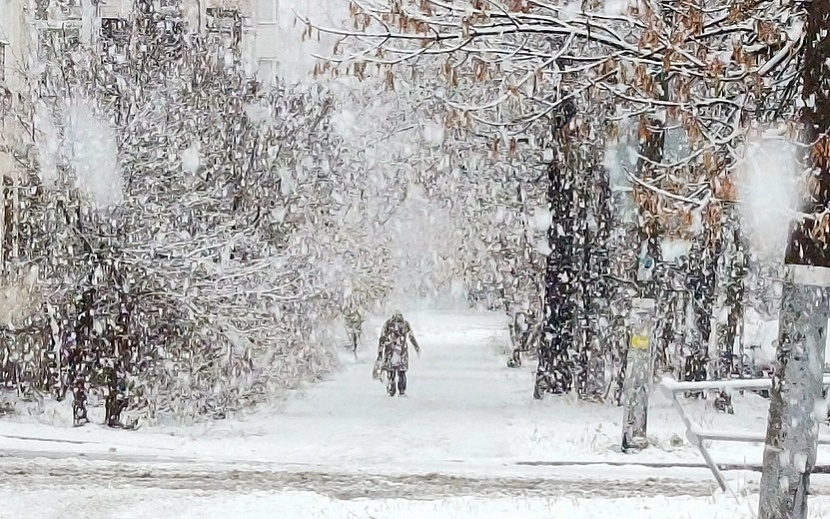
<point x="189" y="226"/>
<point x="631" y="117"/>
<point x="632" y="173"/>
<point x="662" y="96"/>
<point x="179" y="234"/>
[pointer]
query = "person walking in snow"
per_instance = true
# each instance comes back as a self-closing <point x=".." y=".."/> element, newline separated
<point x="393" y="353"/>
<point x="354" y="325"/>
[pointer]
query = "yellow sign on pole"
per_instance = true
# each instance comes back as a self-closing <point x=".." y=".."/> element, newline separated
<point x="639" y="342"/>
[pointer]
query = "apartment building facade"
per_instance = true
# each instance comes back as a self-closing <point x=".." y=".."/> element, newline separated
<point x="266" y="32"/>
<point x="28" y="27"/>
<point x="34" y="29"/>
<point x="13" y="41"/>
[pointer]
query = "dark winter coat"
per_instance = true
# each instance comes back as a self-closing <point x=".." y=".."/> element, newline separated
<point x="393" y="348"/>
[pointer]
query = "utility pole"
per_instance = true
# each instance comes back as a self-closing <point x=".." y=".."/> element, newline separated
<point x="638" y="364"/>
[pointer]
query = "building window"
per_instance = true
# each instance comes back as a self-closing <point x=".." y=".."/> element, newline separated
<point x="58" y="10"/>
<point x="225" y="22"/>
<point x="267" y="11"/>
<point x="115" y="37"/>
<point x="267" y="70"/>
<point x="168" y="4"/>
<point x="55" y="42"/>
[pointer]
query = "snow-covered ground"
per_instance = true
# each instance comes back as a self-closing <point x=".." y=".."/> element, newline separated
<point x="468" y="438"/>
<point x="154" y="504"/>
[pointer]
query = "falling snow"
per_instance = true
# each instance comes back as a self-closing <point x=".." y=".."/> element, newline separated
<point x="210" y="213"/>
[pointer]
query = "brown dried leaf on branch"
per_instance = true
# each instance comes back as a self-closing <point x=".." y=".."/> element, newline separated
<point x="359" y="70"/>
<point x="513" y="148"/>
<point x="426" y="7"/>
<point x="647" y="200"/>
<point x="389" y="79"/>
<point x="710" y="163"/>
<point x="713" y="217"/>
<point x="450" y="72"/>
<point x="820" y="228"/>
<point x="650" y="39"/>
<point x="820" y="152"/>
<point x="494" y="149"/>
<point x="481" y="72"/>
<point x="518" y="6"/>
<point x="724" y="188"/>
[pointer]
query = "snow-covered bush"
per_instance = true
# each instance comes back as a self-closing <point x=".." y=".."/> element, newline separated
<point x="191" y="229"/>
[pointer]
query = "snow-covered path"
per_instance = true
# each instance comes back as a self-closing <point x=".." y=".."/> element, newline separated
<point x="459" y="402"/>
<point x="466" y="417"/>
<point x="462" y="406"/>
<point x="468" y="438"/>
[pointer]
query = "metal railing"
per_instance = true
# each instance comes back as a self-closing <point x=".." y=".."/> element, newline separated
<point x="697" y="434"/>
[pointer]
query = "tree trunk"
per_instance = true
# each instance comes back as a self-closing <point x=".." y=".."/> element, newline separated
<point x="791" y="444"/>
<point x="82" y="358"/>
<point x="703" y="283"/>
<point x="733" y="334"/>
<point x="595" y="290"/>
<point x="792" y="432"/>
<point x="553" y="372"/>
<point x="664" y="330"/>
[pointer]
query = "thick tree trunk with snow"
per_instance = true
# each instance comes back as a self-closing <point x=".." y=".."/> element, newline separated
<point x="792" y="433"/>
<point x="652" y="139"/>
<point x="703" y="284"/>
<point x="81" y="358"/>
<point x="594" y="285"/>
<point x="733" y="333"/>
<point x="791" y="443"/>
<point x="553" y="373"/>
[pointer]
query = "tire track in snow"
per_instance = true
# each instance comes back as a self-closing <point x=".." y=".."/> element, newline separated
<point x="337" y="485"/>
<point x="28" y="469"/>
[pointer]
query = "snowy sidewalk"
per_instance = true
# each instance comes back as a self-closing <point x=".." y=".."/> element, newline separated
<point x="106" y="503"/>
<point x="465" y="413"/>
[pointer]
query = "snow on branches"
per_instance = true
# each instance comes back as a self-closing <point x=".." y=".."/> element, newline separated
<point x="666" y="91"/>
<point x="186" y="220"/>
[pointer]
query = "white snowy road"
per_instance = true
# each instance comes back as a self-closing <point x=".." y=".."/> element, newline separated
<point x="466" y="430"/>
<point x="463" y="406"/>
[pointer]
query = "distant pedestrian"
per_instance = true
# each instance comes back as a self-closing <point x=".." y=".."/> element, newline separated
<point x="393" y="353"/>
<point x="354" y="326"/>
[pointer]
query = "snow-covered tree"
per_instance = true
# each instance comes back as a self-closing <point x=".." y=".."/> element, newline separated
<point x="191" y="229"/>
<point x="514" y="68"/>
<point x="795" y="410"/>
